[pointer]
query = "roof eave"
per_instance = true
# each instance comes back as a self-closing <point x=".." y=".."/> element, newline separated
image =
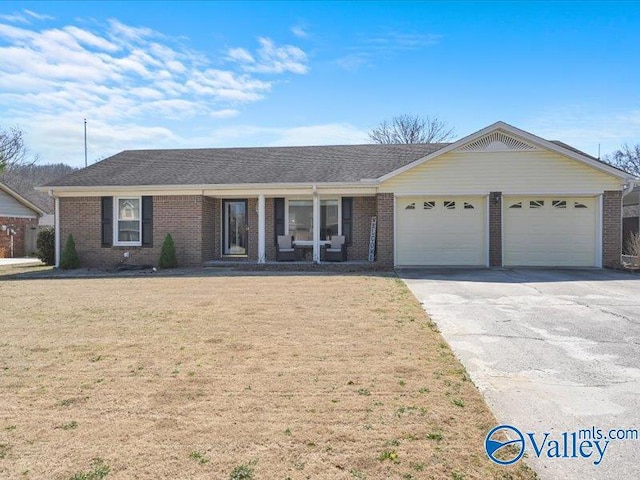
<point x="52" y="189"/>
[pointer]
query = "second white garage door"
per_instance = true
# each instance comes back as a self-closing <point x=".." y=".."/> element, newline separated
<point x="550" y="231"/>
<point x="441" y="231"/>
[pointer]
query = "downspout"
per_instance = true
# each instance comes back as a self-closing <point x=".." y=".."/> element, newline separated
<point x="56" y="227"/>
<point x="628" y="187"/>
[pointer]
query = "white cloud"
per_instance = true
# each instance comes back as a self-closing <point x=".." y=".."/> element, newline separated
<point x="588" y="128"/>
<point x="240" y="55"/>
<point x="38" y="16"/>
<point x="125" y="32"/>
<point x="15" y="18"/>
<point x="299" y="31"/>
<point x="116" y="75"/>
<point x="25" y="17"/>
<point x="90" y="39"/>
<point x="369" y="50"/>
<point x="224" y="113"/>
<point x="271" y="58"/>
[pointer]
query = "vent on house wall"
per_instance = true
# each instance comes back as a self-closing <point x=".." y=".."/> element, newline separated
<point x="496" y="142"/>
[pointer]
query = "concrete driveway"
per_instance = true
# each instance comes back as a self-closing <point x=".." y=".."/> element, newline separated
<point x="552" y="351"/>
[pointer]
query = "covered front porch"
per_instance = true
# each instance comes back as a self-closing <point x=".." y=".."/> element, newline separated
<point x="243" y="227"/>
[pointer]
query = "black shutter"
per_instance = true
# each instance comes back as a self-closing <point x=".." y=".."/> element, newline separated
<point x="347" y="219"/>
<point x="147" y="221"/>
<point x="107" y="221"/>
<point x="278" y="218"/>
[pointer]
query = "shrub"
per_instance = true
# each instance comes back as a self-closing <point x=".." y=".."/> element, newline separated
<point x="168" y="254"/>
<point x="633" y="244"/>
<point x="69" y="258"/>
<point x="46" y="245"/>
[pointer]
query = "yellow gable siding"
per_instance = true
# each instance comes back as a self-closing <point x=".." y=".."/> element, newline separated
<point x="508" y="172"/>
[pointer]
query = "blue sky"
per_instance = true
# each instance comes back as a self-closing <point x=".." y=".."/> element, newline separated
<point x="180" y="74"/>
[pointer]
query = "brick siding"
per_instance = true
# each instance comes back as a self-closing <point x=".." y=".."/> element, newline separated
<point x="209" y="231"/>
<point x="384" y="255"/>
<point x="20" y="225"/>
<point x="181" y="216"/>
<point x="270" y="242"/>
<point x="495" y="229"/>
<point x="611" y="228"/>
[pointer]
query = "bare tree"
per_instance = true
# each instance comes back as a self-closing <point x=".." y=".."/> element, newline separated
<point x="411" y="129"/>
<point x="627" y="158"/>
<point x="13" y="150"/>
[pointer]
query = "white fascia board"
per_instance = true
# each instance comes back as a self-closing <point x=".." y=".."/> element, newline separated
<point x="271" y="189"/>
<point x="505" y="127"/>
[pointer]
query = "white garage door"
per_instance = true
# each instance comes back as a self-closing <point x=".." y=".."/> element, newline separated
<point x="550" y="231"/>
<point x="441" y="231"/>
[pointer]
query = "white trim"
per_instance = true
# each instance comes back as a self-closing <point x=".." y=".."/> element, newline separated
<point x="600" y="231"/>
<point x="340" y="215"/>
<point x="262" y="255"/>
<point x="56" y="227"/>
<point x="365" y="188"/>
<point x="316" y="227"/>
<point x="116" y="220"/>
<point x="395" y="230"/>
<point x="487" y="234"/>
<point x="535" y="140"/>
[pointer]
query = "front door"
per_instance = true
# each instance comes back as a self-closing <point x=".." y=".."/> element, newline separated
<point x="235" y="227"/>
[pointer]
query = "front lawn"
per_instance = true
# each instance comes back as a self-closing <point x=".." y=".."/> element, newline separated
<point x="265" y="377"/>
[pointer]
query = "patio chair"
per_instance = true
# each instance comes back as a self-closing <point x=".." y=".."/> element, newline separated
<point x="337" y="251"/>
<point x="285" y="251"/>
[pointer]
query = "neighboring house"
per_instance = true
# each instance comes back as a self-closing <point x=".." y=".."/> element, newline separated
<point x="18" y="224"/>
<point x="500" y="196"/>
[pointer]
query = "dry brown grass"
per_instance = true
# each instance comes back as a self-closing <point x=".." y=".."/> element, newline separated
<point x="189" y="377"/>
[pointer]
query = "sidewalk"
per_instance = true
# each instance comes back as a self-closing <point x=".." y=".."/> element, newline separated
<point x="19" y="261"/>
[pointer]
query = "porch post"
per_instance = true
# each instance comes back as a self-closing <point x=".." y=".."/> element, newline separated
<point x="261" y="229"/>
<point x="316" y="226"/>
<point x="56" y="226"/>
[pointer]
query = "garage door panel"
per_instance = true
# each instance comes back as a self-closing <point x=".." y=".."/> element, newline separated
<point x="541" y="233"/>
<point x="429" y="233"/>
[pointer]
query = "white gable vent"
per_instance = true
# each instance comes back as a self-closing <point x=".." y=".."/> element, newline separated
<point x="496" y="142"/>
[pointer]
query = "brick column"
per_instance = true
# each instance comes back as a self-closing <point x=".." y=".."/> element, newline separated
<point x="611" y="228"/>
<point x="495" y="229"/>
<point x="384" y="247"/>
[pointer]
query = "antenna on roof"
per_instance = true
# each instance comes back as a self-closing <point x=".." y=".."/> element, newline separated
<point x="598" y="151"/>
<point x="85" y="142"/>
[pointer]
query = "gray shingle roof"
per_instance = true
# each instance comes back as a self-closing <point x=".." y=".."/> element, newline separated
<point x="219" y="166"/>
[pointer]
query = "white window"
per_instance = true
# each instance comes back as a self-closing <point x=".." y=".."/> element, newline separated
<point x="300" y="220"/>
<point x="128" y="221"/>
